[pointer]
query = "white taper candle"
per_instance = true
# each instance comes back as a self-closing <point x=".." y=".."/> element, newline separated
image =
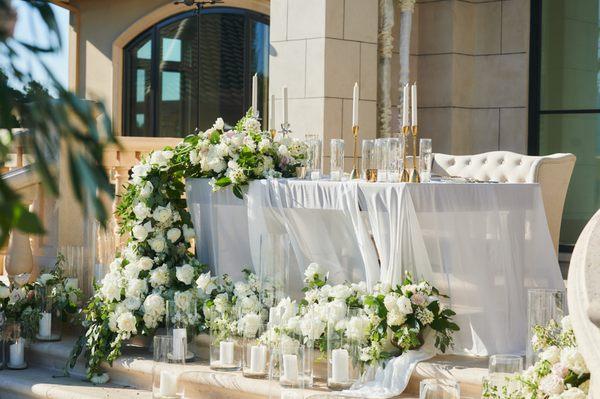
<point x="355" y="96"/>
<point x="255" y="95"/>
<point x="284" y="94"/>
<point x="272" y="113"/>
<point x="413" y="98"/>
<point x="405" y="99"/>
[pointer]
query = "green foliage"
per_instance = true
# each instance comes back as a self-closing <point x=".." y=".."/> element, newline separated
<point x="63" y="120"/>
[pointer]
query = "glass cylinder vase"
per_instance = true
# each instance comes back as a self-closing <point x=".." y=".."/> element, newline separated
<point x="343" y="357"/>
<point x="181" y="317"/>
<point x="15" y="347"/>
<point x="382" y="154"/>
<point x="314" y="164"/>
<point x="256" y="354"/>
<point x="294" y="360"/>
<point x="225" y="351"/>
<point x="273" y="268"/>
<point x="439" y="389"/>
<point x="543" y="305"/>
<point x="337" y="159"/>
<point x="368" y="161"/>
<point x="50" y="322"/>
<point x="167" y="369"/>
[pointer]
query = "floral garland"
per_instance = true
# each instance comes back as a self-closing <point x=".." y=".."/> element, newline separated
<point x="157" y="265"/>
<point x="560" y="372"/>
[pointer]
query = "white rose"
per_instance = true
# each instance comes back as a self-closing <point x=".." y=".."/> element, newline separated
<point x="240" y="289"/>
<point x="219" y="124"/>
<point x="115" y="264"/>
<point x="395" y="318"/>
<point x="188" y="233"/>
<point x="4" y="292"/>
<point x="157" y="243"/>
<point x="419" y="299"/>
<point x="293" y="324"/>
<point x="132" y="270"/>
<point x="145" y="263"/>
<point x="154" y="304"/>
<point x="173" y="234"/>
<point x="183" y="301"/>
<point x="185" y="274"/>
<point x="205" y="283"/>
<point x="573" y="393"/>
<point x="44" y="278"/>
<point x="159" y="276"/>
<point x="340" y="291"/>
<point x="404" y="306"/>
<point x="158" y="158"/>
<point x="162" y="214"/>
<point x="146" y="190"/>
<point x="141" y="211"/>
<point x="312" y="271"/>
<point x="312" y="326"/>
<point x="221" y="303"/>
<point x="249" y="304"/>
<point x="111" y="287"/>
<point x="126" y="323"/>
<point x="358" y="328"/>
<point x="335" y="311"/>
<point x="136" y="287"/>
<point x="138" y="172"/>
<point x="139" y="232"/>
<point x="249" y="325"/>
<point x="571" y="358"/>
<point x="552" y="385"/>
<point x="551" y="354"/>
<point x="408" y="288"/>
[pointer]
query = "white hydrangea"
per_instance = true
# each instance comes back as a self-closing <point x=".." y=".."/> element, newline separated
<point x="131" y="270"/>
<point x="249" y="325"/>
<point x="551" y="354"/>
<point x="425" y="316"/>
<point x="185" y="274"/>
<point x="136" y="287"/>
<point x="340" y="292"/>
<point x="241" y="289"/>
<point x="573" y="393"/>
<point x="111" y="286"/>
<point x="132" y="303"/>
<point x="154" y="310"/>
<point x="184" y="300"/>
<point x="573" y="359"/>
<point x="311" y="325"/>
<point x="552" y="385"/>
<point x="221" y="302"/>
<point x="358" y="328"/>
<point x="335" y="311"/>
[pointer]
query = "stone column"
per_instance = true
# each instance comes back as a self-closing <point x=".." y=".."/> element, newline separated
<point x="319" y="48"/>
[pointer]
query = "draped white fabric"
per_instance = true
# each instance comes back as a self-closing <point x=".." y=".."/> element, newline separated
<point x="482" y="244"/>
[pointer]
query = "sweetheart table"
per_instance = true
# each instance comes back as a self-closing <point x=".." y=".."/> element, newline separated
<point x="483" y="245"/>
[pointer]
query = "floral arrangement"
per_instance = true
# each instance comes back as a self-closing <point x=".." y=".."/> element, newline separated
<point x="18" y="305"/>
<point x="156" y="265"/>
<point x="63" y="290"/>
<point x="560" y="371"/>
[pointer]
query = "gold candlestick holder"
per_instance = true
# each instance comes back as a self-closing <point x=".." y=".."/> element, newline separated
<point x="355" y="173"/>
<point x="414" y="176"/>
<point x="405" y="177"/>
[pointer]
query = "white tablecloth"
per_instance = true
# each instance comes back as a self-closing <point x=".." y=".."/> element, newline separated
<point x="482" y="244"/>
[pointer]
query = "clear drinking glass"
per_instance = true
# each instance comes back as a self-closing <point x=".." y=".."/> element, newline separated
<point x="543" y="305"/>
<point x="167" y="369"/>
<point x="439" y="389"/>
<point x="507" y="364"/>
<point x="394" y="168"/>
<point x="314" y="167"/>
<point x="337" y="159"/>
<point x="343" y="365"/>
<point x="382" y="153"/>
<point x="273" y="267"/>
<point x="368" y="161"/>
<point x="425" y="157"/>
<point x="225" y="351"/>
<point x="49" y="325"/>
<point x="256" y="354"/>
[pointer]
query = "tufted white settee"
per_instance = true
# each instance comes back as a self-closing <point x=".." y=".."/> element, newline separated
<point x="552" y="172"/>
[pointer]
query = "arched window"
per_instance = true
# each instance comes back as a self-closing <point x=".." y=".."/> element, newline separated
<point x="186" y="71"/>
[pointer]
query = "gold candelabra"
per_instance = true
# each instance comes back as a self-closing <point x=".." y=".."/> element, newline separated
<point x="405" y="177"/>
<point x="355" y="174"/>
<point x="414" y="175"/>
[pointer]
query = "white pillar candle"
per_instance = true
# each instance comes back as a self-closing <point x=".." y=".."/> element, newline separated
<point x="258" y="358"/>
<point x="413" y="98"/>
<point x="405" y="99"/>
<point x="339" y="365"/>
<point x="168" y="384"/>
<point x="179" y="342"/>
<point x="272" y="113"/>
<point x="226" y="353"/>
<point x="284" y="94"/>
<point x="17" y="352"/>
<point x="355" y="96"/>
<point x="290" y="368"/>
<point x="45" y="326"/>
<point x="255" y="95"/>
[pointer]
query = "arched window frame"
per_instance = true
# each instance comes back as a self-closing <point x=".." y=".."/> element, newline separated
<point x="153" y="34"/>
